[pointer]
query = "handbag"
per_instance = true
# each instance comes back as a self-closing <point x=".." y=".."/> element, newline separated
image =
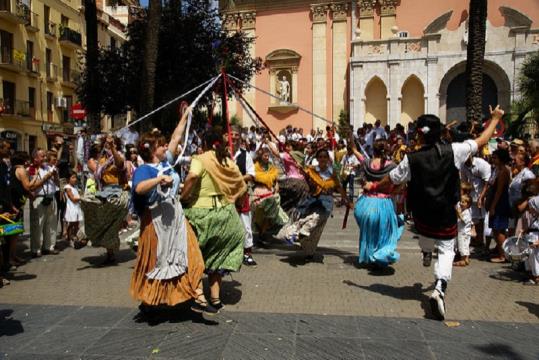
<point x="9" y="227"/>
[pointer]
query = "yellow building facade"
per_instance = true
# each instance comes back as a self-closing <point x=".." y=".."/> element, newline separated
<point x="41" y="48"/>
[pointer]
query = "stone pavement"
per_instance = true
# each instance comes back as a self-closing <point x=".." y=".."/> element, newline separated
<point x="281" y="309"/>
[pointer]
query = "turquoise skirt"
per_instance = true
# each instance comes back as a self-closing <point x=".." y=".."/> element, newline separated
<point x="379" y="230"/>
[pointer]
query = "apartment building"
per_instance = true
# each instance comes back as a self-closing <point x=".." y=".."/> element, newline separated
<point x="41" y="48"/>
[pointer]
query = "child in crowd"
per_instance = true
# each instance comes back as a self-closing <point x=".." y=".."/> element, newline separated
<point x="530" y="226"/>
<point x="464" y="213"/>
<point x="73" y="213"/>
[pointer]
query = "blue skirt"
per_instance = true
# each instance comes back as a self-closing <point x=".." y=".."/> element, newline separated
<point x="379" y="230"/>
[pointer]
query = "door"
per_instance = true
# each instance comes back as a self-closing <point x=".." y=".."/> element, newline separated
<point x="9" y="97"/>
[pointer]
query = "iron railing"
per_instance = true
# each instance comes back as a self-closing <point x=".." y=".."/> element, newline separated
<point x="67" y="34"/>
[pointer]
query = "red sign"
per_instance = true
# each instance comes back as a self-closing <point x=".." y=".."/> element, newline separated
<point x="77" y="112"/>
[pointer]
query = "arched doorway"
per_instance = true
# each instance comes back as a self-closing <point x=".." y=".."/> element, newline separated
<point x="456" y="97"/>
<point x="412" y="100"/>
<point x="376" y="101"/>
<point x="452" y="93"/>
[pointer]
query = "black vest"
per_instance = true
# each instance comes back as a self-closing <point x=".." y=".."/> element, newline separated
<point x="433" y="191"/>
<point x="241" y="161"/>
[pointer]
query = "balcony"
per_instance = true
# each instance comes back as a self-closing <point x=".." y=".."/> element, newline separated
<point x="70" y="38"/>
<point x="11" y="60"/>
<point x="12" y="11"/>
<point x="50" y="30"/>
<point x="70" y="78"/>
<point x="17" y="107"/>
<point x="51" y="72"/>
<point x="31" y="18"/>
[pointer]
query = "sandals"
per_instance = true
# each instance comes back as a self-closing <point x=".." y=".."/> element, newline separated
<point x="201" y="305"/>
<point x="216" y="303"/>
<point x="79" y="244"/>
<point x="461" y="263"/>
<point x="531" y="282"/>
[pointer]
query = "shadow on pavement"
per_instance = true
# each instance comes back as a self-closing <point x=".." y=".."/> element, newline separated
<point x="9" y="326"/>
<point x="231" y="294"/>
<point x="532" y="308"/>
<point x="508" y="274"/>
<point x="501" y="351"/>
<point x="96" y="261"/>
<point x="171" y="314"/>
<point x="413" y="292"/>
<point x="19" y="275"/>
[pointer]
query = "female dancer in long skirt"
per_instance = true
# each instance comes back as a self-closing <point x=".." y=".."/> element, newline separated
<point x="212" y="186"/>
<point x="379" y="226"/>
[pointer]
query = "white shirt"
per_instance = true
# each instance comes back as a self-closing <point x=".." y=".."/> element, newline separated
<point x="49" y="187"/>
<point x="349" y="163"/>
<point x="477" y="174"/>
<point x="249" y="164"/>
<point x="461" y="152"/>
<point x="465" y="221"/>
<point x="128" y="136"/>
<point x="515" y="188"/>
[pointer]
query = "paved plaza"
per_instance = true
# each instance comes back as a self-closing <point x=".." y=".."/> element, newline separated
<point x="66" y="306"/>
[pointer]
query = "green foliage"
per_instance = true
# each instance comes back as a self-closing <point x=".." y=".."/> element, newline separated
<point x="528" y="82"/>
<point x="343" y="125"/>
<point x="192" y="49"/>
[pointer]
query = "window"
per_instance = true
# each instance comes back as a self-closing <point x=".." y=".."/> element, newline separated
<point x="65" y="111"/>
<point x="49" y="101"/>
<point x="403" y="34"/>
<point x="6" y="47"/>
<point x="32" y="97"/>
<point x="48" y="63"/>
<point x="29" y="55"/>
<point x="9" y="96"/>
<point x="64" y="21"/>
<point x="47" y="20"/>
<point x="112" y="43"/>
<point x="66" y="68"/>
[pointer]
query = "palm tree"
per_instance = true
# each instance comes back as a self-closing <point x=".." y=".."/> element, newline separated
<point x="150" y="56"/>
<point x="93" y="100"/>
<point x="477" y="26"/>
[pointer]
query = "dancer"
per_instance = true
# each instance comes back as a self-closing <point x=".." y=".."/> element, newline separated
<point x="243" y="159"/>
<point x="169" y="266"/>
<point x="433" y="180"/>
<point x="315" y="210"/>
<point x="105" y="211"/>
<point x="211" y="189"/>
<point x="267" y="211"/>
<point x="379" y="226"/>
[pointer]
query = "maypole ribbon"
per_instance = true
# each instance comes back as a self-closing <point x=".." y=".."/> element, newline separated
<point x="225" y="105"/>
<point x="166" y="104"/>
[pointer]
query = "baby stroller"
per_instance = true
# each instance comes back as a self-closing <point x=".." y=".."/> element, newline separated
<point x="517" y="250"/>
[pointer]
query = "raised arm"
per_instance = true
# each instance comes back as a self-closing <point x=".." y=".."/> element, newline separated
<point x="495" y="117"/>
<point x="177" y="135"/>
<point x="356" y="152"/>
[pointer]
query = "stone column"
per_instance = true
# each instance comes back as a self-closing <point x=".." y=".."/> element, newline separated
<point x="432" y="87"/>
<point x="388" y="18"/>
<point x="319" y="16"/>
<point x="248" y="26"/>
<point x="366" y="19"/>
<point x="393" y="93"/>
<point x="340" y="12"/>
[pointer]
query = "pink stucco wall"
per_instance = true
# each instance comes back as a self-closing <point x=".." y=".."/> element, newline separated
<point x="290" y="29"/>
<point x="415" y="15"/>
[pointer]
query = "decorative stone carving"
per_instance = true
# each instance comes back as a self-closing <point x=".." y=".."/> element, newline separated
<point x="377" y="49"/>
<point x="339" y="11"/>
<point x="319" y="13"/>
<point x="366" y="8"/>
<point x="230" y="22"/>
<point x="248" y="20"/>
<point x="414" y="47"/>
<point x="388" y="7"/>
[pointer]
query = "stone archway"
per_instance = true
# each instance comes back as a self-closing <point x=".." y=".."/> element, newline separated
<point x="496" y="90"/>
<point x="376" y="101"/>
<point x="412" y="100"/>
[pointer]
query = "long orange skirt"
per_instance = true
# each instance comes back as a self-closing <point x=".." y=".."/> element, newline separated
<point x="164" y="292"/>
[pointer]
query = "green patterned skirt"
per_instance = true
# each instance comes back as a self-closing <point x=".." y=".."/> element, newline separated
<point x="220" y="235"/>
<point x="103" y="219"/>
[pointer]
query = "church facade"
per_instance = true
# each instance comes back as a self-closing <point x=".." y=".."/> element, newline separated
<point x="377" y="59"/>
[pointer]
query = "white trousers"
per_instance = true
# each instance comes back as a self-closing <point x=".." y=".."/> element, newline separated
<point x="446" y="253"/>
<point x="43" y="225"/>
<point x="463" y="243"/>
<point x="246" y="220"/>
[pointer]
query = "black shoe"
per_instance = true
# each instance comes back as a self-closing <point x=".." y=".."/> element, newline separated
<point x="205" y="308"/>
<point x="217" y="304"/>
<point x="437" y="304"/>
<point x="249" y="261"/>
<point x="50" y="252"/>
<point x="427" y="259"/>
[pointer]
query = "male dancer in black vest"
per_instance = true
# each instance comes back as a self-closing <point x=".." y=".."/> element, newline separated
<point x="432" y="174"/>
